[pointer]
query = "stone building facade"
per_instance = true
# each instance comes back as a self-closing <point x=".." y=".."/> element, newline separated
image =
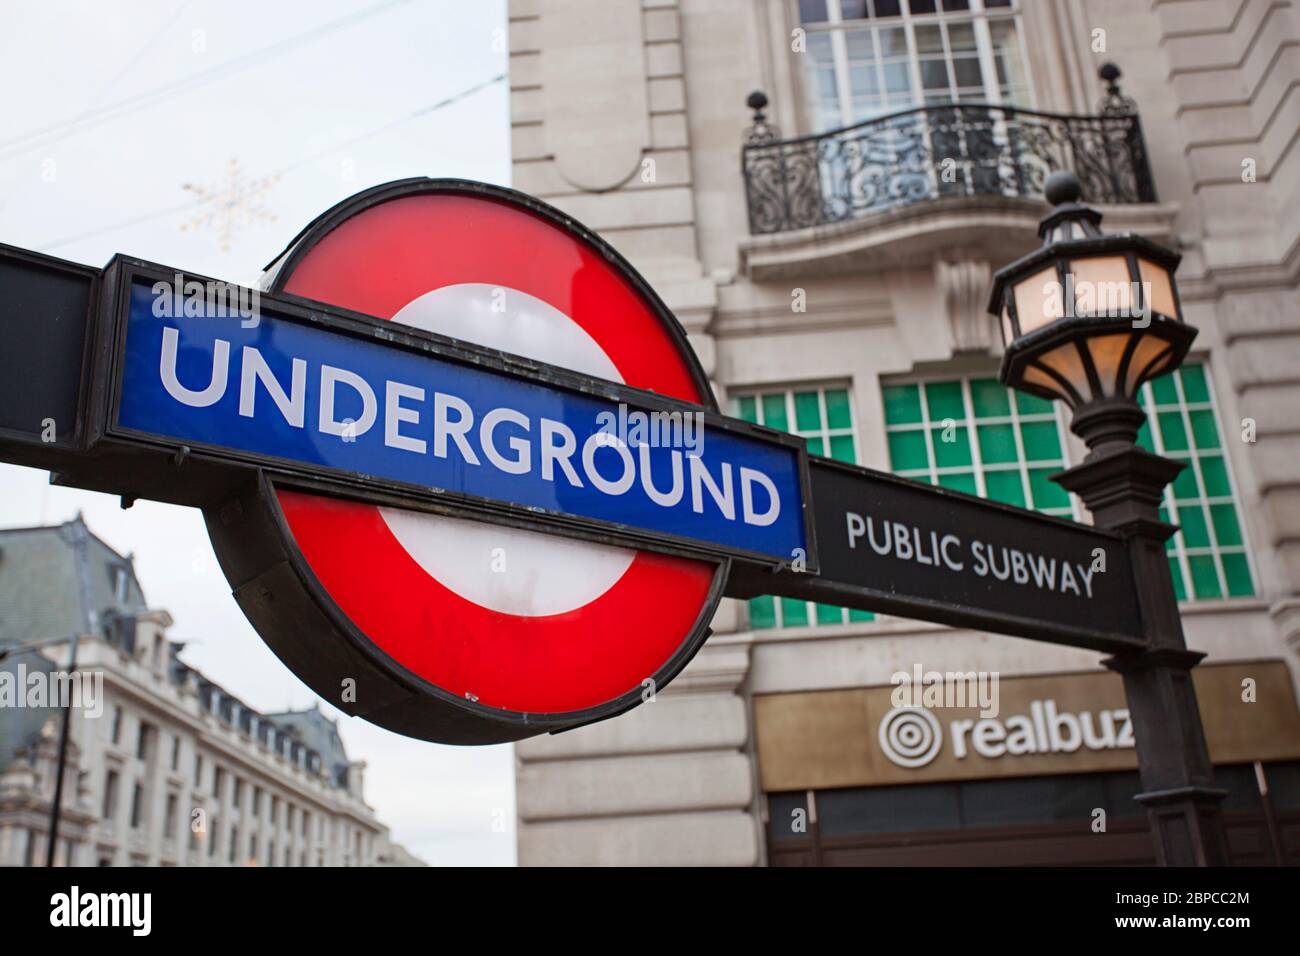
<point x="833" y="278"/>
<point x="164" y="767"/>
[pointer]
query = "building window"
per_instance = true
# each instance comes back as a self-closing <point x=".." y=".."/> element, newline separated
<point x="234" y="844"/>
<point x="236" y="793"/>
<point x="824" y="418"/>
<point x="217" y="780"/>
<point x="116" y="732"/>
<point x="137" y="806"/>
<point x="252" y="849"/>
<point x="176" y="753"/>
<point x="866" y="58"/>
<point x="121" y="583"/>
<point x="110" y="795"/>
<point x="976" y="435"/>
<point x="198" y="769"/>
<point x="169" y="818"/>
<point x="142" y="741"/>
<point x="257" y="800"/>
<point x="1208" y="556"/>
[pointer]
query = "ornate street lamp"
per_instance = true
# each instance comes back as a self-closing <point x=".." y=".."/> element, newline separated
<point x="1087" y="319"/>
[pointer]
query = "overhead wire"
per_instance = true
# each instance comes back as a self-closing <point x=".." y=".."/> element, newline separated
<point x="296" y="164"/>
<point x="55" y="132"/>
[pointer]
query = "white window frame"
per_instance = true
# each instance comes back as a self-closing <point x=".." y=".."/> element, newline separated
<point x="978" y="15"/>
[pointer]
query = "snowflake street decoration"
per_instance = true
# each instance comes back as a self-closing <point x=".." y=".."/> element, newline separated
<point x="232" y="205"/>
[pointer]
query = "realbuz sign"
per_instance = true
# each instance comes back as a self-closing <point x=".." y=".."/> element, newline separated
<point x="467" y="478"/>
<point x="1050" y="724"/>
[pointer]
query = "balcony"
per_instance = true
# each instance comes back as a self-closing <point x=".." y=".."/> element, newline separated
<point x="938" y="152"/>
<point x="912" y="184"/>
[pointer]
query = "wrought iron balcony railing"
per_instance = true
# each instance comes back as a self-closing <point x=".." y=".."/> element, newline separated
<point x="936" y="152"/>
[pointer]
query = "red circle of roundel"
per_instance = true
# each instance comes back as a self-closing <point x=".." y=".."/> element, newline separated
<point x="375" y="262"/>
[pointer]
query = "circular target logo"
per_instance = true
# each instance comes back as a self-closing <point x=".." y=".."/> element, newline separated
<point x="910" y="736"/>
<point x="479" y="631"/>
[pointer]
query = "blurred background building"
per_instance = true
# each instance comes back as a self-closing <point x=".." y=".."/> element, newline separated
<point x="828" y="244"/>
<point x="168" y="768"/>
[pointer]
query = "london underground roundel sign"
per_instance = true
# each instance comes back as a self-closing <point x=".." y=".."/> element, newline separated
<point x="446" y="628"/>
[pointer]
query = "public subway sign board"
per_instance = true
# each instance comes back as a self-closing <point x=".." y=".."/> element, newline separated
<point x="311" y="396"/>
<point x="890" y="544"/>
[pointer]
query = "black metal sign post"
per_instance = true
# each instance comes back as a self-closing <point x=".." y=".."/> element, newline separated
<point x="875" y="541"/>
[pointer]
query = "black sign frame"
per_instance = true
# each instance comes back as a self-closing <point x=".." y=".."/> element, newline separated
<point x="106" y="379"/>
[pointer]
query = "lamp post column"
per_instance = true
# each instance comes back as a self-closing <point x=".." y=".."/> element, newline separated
<point x="1122" y="484"/>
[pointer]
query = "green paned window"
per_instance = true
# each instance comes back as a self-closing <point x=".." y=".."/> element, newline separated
<point x="977" y="436"/>
<point x="902" y="404"/>
<point x="1209" y="556"/>
<point x="944" y="400"/>
<point x="1005" y="445"/>
<point x="823" y="417"/>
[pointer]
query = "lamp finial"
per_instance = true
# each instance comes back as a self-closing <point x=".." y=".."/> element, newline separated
<point x="1062" y="187"/>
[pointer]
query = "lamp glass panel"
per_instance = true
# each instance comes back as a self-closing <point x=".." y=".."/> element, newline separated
<point x="1147" y="349"/>
<point x="1008" y="333"/>
<point x="1102" y="285"/>
<point x="1162" y="364"/>
<point x="1038" y="300"/>
<point x="1107" y="352"/>
<point x="1066" y="362"/>
<point x="1033" y="375"/>
<point x="1157" y="283"/>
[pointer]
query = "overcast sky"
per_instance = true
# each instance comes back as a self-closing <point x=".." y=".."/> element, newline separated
<point x="111" y="110"/>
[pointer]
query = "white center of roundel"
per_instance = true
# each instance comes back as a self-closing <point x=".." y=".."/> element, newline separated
<point x="500" y="568"/>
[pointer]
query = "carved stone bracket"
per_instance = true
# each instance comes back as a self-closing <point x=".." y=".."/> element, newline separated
<point x="963" y="288"/>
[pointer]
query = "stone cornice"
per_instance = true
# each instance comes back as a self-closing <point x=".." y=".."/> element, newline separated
<point x="1001" y="227"/>
<point x="782" y="320"/>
